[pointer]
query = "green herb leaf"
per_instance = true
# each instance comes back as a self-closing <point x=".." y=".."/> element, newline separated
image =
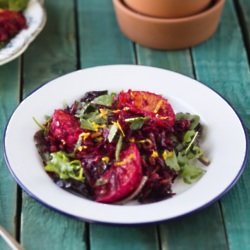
<point x="105" y="100"/>
<point x="87" y="124"/>
<point x="118" y="148"/>
<point x="82" y="107"/>
<point x="196" y="152"/>
<point x="191" y="173"/>
<point x="188" y="136"/>
<point x="112" y="132"/>
<point x="171" y="160"/>
<point x="136" y="122"/>
<point x="195" y="121"/>
<point x="63" y="167"/>
<point x="191" y="143"/>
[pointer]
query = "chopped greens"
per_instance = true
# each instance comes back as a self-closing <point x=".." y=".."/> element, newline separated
<point x="171" y="160"/>
<point x="63" y="167"/>
<point x="180" y="159"/>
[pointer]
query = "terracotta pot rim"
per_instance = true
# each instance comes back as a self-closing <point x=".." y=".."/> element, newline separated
<point x="200" y="15"/>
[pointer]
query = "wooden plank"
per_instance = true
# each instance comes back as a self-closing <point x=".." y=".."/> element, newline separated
<point x="179" y="61"/>
<point x="51" y="55"/>
<point x="201" y="230"/>
<point x="9" y="97"/>
<point x="102" y="43"/>
<point x="100" y="40"/>
<point x="54" y="51"/>
<point x="188" y="232"/>
<point x="123" y="238"/>
<point x="226" y="69"/>
<point x="43" y="228"/>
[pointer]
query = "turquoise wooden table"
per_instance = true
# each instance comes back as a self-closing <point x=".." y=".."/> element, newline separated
<point x="84" y="33"/>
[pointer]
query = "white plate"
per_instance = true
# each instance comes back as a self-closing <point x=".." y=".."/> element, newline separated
<point x="226" y="142"/>
<point x="36" y="19"/>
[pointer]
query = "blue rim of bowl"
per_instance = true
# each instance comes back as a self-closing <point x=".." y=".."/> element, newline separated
<point x="210" y="202"/>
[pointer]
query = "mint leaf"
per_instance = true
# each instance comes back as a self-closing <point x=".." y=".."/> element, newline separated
<point x="95" y="117"/>
<point x="87" y="124"/>
<point x="136" y="122"/>
<point x="91" y="120"/>
<point x="105" y="100"/>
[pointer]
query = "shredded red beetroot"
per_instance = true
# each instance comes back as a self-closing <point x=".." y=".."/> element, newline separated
<point x="11" y="23"/>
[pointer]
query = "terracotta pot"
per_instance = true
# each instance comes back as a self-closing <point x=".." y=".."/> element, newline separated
<point x="168" y="34"/>
<point x="168" y="8"/>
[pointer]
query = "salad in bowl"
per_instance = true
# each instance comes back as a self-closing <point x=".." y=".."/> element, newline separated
<point x="116" y="147"/>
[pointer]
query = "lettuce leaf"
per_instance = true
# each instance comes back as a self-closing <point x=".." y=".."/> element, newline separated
<point x="190" y="173"/>
<point x="105" y="100"/>
<point x="63" y="167"/>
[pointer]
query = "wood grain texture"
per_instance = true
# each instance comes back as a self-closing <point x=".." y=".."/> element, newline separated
<point x="9" y="98"/>
<point x="178" y="61"/>
<point x="226" y="69"/>
<point x="54" y="51"/>
<point x="188" y="232"/>
<point x="51" y="55"/>
<point x="43" y="228"/>
<point x="201" y="230"/>
<point x="102" y="43"/>
<point x="123" y="238"/>
<point x="100" y="40"/>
